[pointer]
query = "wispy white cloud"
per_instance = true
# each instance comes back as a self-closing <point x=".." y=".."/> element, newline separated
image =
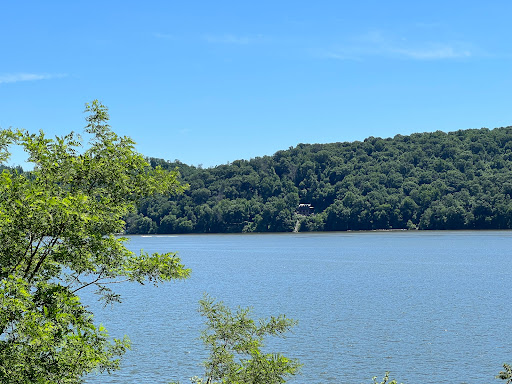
<point x="232" y="39"/>
<point x="339" y="54"/>
<point x="433" y="52"/>
<point x="165" y="36"/>
<point x="371" y="37"/>
<point x="376" y="43"/>
<point x="18" y="77"/>
<point x="429" y="25"/>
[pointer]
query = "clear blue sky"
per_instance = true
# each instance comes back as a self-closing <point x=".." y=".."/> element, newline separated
<point x="208" y="82"/>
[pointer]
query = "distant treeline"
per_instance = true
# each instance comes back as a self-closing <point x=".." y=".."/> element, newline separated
<point x="16" y="168"/>
<point x="457" y="180"/>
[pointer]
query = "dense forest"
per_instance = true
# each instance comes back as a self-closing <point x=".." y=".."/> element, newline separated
<point x="456" y="180"/>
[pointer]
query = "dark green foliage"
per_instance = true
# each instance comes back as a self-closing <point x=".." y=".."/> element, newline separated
<point x="457" y="180"/>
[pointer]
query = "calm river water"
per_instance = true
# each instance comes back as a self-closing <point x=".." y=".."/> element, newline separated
<point x="431" y="307"/>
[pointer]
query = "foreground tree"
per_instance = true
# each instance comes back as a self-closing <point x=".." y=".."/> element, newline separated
<point x="385" y="380"/>
<point x="506" y="374"/>
<point x="58" y="226"/>
<point x="235" y="342"/>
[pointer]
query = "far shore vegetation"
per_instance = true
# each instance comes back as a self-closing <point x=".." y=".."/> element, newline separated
<point x="456" y="180"/>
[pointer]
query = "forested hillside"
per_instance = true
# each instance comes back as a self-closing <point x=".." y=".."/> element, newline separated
<point x="456" y="180"/>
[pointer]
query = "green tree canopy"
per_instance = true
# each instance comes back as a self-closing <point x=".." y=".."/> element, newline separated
<point x="456" y="180"/>
<point x="236" y="342"/>
<point x="58" y="227"/>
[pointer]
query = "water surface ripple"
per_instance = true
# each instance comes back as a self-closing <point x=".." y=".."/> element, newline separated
<point x="431" y="307"/>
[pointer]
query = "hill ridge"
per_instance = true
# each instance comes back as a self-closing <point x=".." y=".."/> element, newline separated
<point x="431" y="180"/>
